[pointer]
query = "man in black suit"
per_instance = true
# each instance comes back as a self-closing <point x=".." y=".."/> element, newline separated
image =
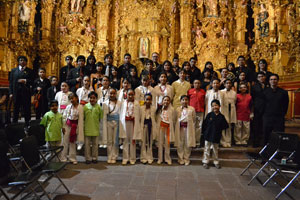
<point x="75" y="77"/>
<point x="124" y="70"/>
<point x="20" y="83"/>
<point x="64" y="71"/>
<point x="108" y="59"/>
<point x="195" y="71"/>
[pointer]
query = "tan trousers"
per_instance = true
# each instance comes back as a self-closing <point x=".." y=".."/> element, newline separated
<point x="183" y="151"/>
<point x="129" y="146"/>
<point x="206" y="154"/>
<point x="55" y="144"/>
<point x="242" y="132"/>
<point x="69" y="148"/>
<point x="80" y="136"/>
<point x="163" y="144"/>
<point x="112" y="149"/>
<point x="146" y="150"/>
<point x="226" y="137"/>
<point x="199" y="121"/>
<point x="94" y="142"/>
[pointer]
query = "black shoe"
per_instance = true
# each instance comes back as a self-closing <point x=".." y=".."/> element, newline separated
<point x="88" y="162"/>
<point x="95" y="161"/>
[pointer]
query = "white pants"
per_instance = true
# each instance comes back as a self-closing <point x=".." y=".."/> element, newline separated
<point x="226" y="137"/>
<point x="129" y="146"/>
<point x="80" y="135"/>
<point x="69" y="148"/>
<point x="94" y="141"/>
<point x="242" y="132"/>
<point x="146" y="150"/>
<point x="163" y="143"/>
<point x="199" y="121"/>
<point x="206" y="154"/>
<point x="112" y="149"/>
<point x="183" y="151"/>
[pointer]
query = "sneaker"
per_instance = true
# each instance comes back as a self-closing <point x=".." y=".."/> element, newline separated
<point x="108" y="161"/>
<point x="205" y="166"/>
<point x="104" y="146"/>
<point x="186" y="163"/>
<point x="144" y="161"/>
<point x="181" y="162"/>
<point x="218" y="166"/>
<point x="64" y="160"/>
<point x="158" y="162"/>
<point x="79" y="147"/>
<point x="124" y="162"/>
<point x="150" y="162"/>
<point x="169" y="163"/>
<point x="132" y="162"/>
<point x="113" y="161"/>
<point x="74" y="162"/>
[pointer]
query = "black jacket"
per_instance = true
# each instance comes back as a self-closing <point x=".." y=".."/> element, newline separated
<point x="51" y="94"/>
<point x="124" y="71"/>
<point x="63" y="73"/>
<point x="73" y="75"/>
<point x="20" y="88"/>
<point x="257" y="93"/>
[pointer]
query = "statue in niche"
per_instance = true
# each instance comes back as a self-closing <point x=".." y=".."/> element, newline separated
<point x="63" y="30"/>
<point x="224" y="33"/>
<point x="144" y="48"/>
<point x="211" y="8"/>
<point x="24" y="16"/>
<point x="89" y="30"/>
<point x="263" y="25"/>
<point x="76" y="6"/>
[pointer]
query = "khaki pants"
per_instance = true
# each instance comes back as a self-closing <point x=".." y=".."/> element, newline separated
<point x="206" y="154"/>
<point x="94" y="141"/>
<point x="226" y="137"/>
<point x="183" y="151"/>
<point x="129" y="146"/>
<point x="80" y="136"/>
<point x="112" y="149"/>
<point x="199" y="121"/>
<point x="163" y="144"/>
<point x="55" y="144"/>
<point x="69" y="148"/>
<point x="146" y="150"/>
<point x="242" y="132"/>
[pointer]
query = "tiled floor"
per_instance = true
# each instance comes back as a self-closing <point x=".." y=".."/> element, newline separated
<point x="143" y="182"/>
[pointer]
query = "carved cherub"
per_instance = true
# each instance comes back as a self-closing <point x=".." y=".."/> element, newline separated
<point x="89" y="30"/>
<point x="76" y="5"/>
<point x="198" y="31"/>
<point x="62" y="29"/>
<point x="224" y="33"/>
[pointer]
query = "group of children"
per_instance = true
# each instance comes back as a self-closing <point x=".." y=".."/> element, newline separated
<point x="164" y="115"/>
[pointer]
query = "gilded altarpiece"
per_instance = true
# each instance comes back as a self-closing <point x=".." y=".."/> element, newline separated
<point x="213" y="30"/>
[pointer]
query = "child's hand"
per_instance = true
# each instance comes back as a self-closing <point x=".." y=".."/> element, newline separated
<point x="63" y="130"/>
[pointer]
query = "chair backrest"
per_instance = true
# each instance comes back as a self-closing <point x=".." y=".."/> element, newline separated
<point x="271" y="147"/>
<point x="288" y="141"/>
<point x="29" y="150"/>
<point x="39" y="132"/>
<point x="4" y="162"/>
<point x="297" y="155"/>
<point x="14" y="133"/>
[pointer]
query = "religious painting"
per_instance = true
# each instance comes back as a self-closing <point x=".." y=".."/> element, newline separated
<point x="144" y="48"/>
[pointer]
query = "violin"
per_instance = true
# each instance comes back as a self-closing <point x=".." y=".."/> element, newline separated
<point x="36" y="99"/>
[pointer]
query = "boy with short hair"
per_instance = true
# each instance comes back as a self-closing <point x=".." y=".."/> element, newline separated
<point x="92" y="115"/>
<point x="212" y="128"/>
<point x="197" y="100"/>
<point x="51" y="92"/>
<point x="180" y="87"/>
<point x="53" y="123"/>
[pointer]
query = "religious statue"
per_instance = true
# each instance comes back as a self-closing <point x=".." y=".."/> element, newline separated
<point x="198" y="31"/>
<point x="24" y="16"/>
<point x="76" y="5"/>
<point x="24" y="11"/>
<point x="211" y="8"/>
<point x="263" y="25"/>
<point x="144" y="48"/>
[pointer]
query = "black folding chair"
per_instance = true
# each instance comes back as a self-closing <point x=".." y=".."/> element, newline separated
<point x="285" y="144"/>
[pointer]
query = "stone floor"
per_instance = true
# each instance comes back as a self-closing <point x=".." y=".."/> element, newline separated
<point x="143" y="182"/>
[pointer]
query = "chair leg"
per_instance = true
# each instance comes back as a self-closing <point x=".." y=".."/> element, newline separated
<point x="288" y="185"/>
<point x="258" y="172"/>
<point x="44" y="191"/>
<point x="269" y="179"/>
<point x="4" y="194"/>
<point x="63" y="184"/>
<point x="248" y="166"/>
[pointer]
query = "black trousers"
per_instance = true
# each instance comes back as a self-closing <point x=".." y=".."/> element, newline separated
<point x="257" y="133"/>
<point x="270" y="124"/>
<point x="22" y="100"/>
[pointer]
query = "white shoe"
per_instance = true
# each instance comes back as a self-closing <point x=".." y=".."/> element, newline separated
<point x="158" y="162"/>
<point x="187" y="163"/>
<point x="104" y="146"/>
<point x="108" y="161"/>
<point x="124" y="162"/>
<point x="113" y="161"/>
<point x="79" y="147"/>
<point x="121" y="147"/>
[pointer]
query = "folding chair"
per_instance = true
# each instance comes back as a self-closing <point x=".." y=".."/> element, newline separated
<point x="285" y="145"/>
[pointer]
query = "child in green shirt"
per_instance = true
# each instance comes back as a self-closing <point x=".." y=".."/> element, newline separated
<point x="92" y="115"/>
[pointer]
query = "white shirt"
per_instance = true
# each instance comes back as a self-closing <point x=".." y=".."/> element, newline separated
<point x="183" y="116"/>
<point x="83" y="94"/>
<point x="129" y="109"/>
<point x="113" y="109"/>
<point x="71" y="112"/>
<point x="165" y="116"/>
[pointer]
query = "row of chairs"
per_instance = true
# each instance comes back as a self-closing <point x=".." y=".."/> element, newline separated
<point x="280" y="157"/>
<point x="34" y="164"/>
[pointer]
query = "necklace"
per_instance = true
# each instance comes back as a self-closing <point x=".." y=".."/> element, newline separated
<point x="110" y="111"/>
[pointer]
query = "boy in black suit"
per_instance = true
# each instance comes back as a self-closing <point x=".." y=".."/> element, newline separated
<point x="53" y="89"/>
